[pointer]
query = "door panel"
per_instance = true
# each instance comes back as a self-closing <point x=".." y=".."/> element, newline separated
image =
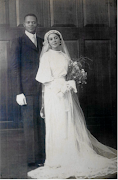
<point x="63" y="13"/>
<point x="99" y="89"/>
<point x="3" y="14"/>
<point x="96" y="13"/>
<point x="12" y="13"/>
<point x="4" y="80"/>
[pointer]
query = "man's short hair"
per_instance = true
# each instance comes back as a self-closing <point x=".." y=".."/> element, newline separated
<point x="31" y="15"/>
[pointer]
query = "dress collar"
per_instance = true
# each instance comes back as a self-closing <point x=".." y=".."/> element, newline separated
<point x="56" y="51"/>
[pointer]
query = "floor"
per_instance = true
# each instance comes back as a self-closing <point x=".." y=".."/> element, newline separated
<point x="13" y="158"/>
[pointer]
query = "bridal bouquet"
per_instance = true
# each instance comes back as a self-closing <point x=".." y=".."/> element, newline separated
<point x="76" y="71"/>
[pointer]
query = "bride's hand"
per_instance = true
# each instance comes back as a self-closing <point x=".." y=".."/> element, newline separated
<point x="69" y="88"/>
<point x="66" y="87"/>
<point x="71" y="85"/>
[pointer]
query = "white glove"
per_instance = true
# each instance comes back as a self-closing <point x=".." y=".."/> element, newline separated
<point x="66" y="87"/>
<point x="21" y="99"/>
<point x="71" y="85"/>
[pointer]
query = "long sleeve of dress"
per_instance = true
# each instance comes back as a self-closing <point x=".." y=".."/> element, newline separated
<point x="44" y="73"/>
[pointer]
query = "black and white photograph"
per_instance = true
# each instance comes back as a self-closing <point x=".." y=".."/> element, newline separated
<point x="58" y="89"/>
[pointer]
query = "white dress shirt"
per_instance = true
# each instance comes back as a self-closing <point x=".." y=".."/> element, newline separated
<point x="32" y="37"/>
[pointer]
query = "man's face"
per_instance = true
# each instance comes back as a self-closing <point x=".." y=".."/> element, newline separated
<point x="30" y="24"/>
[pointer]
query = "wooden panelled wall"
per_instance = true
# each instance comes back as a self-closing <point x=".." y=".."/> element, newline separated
<point x="89" y="29"/>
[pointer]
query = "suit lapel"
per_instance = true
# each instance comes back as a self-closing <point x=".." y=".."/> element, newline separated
<point x="29" y="43"/>
<point x="39" y="46"/>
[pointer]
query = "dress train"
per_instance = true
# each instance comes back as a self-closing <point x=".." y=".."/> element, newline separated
<point x="76" y="153"/>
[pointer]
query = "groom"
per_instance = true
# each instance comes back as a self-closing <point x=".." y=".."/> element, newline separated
<point x="25" y="62"/>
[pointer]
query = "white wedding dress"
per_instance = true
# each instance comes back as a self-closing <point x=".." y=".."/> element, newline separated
<point x="71" y="150"/>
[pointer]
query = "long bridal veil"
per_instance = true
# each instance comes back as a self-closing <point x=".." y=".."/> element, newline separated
<point x="97" y="146"/>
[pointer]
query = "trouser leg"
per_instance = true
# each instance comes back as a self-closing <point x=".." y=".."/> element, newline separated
<point x="39" y="132"/>
<point x="33" y="130"/>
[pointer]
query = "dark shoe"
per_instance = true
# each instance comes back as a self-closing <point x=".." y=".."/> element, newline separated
<point x="40" y="165"/>
<point x="31" y="164"/>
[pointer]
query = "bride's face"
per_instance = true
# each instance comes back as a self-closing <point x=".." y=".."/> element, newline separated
<point x="54" y="41"/>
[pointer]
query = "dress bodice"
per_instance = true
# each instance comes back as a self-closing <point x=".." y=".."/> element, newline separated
<point x="58" y="63"/>
<point x="54" y="64"/>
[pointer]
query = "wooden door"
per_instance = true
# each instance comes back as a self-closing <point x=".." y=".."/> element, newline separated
<point x="89" y="29"/>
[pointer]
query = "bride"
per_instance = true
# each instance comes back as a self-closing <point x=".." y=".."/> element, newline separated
<point x="71" y="150"/>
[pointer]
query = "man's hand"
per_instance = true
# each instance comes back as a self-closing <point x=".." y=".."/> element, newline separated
<point x="21" y="99"/>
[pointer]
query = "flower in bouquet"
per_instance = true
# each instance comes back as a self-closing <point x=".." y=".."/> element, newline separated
<point x="76" y="71"/>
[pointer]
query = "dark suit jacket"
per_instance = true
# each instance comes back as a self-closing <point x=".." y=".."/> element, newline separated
<point x="25" y="63"/>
